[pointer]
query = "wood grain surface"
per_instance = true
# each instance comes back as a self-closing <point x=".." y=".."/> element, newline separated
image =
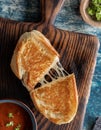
<point x="77" y="54"/>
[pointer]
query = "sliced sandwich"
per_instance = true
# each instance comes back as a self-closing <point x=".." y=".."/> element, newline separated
<point x="32" y="58"/>
<point x="57" y="100"/>
<point x="36" y="63"/>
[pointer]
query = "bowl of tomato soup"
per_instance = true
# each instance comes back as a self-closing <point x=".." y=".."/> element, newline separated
<point x="15" y="115"/>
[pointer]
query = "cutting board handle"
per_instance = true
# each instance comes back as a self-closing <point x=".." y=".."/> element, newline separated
<point x="50" y="9"/>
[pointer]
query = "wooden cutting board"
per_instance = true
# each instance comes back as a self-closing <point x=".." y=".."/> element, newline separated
<point x="77" y="54"/>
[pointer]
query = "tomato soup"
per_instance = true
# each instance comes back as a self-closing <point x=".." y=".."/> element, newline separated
<point x="14" y="117"/>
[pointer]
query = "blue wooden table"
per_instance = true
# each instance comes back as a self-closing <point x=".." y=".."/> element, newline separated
<point x="70" y="19"/>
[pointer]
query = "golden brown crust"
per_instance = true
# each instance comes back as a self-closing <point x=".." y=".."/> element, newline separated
<point x="32" y="58"/>
<point x="58" y="100"/>
<point x="15" y="61"/>
<point x="46" y="42"/>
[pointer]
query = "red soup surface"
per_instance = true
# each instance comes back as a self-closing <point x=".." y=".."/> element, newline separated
<point x="14" y="117"/>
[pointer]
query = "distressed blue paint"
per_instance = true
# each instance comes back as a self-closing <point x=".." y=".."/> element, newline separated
<point x="20" y="10"/>
<point x="69" y="18"/>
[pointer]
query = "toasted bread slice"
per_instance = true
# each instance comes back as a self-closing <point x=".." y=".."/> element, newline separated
<point x="57" y="100"/>
<point x="32" y="58"/>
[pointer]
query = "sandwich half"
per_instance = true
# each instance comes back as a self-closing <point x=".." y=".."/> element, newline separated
<point x="57" y="100"/>
<point x="32" y="58"/>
